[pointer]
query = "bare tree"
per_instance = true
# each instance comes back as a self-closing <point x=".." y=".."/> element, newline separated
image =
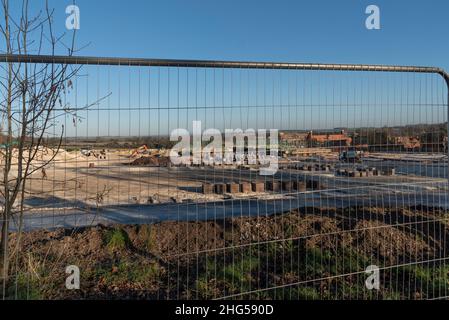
<point x="30" y="105"/>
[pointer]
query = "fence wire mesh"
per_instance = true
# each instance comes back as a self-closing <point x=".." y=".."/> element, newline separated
<point x="360" y="187"/>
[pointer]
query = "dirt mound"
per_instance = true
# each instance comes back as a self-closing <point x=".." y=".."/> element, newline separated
<point x="207" y="259"/>
<point x="151" y="161"/>
<point x="393" y="245"/>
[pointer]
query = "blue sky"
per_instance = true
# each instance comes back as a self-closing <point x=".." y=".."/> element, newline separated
<point x="412" y="33"/>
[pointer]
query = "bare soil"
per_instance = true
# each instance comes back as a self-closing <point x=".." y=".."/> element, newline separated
<point x="311" y="249"/>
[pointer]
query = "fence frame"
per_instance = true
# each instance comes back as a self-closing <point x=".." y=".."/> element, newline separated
<point x="89" y="60"/>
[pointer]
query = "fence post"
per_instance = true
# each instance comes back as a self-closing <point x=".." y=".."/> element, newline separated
<point x="446" y="78"/>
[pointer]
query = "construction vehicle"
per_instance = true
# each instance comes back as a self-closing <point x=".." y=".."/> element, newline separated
<point x="143" y="149"/>
<point x="91" y="152"/>
<point x="86" y="152"/>
<point x="350" y="156"/>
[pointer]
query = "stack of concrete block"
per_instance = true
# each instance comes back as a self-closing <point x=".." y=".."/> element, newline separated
<point x="245" y="187"/>
<point x="258" y="186"/>
<point x="220" y="188"/>
<point x="299" y="186"/>
<point x="208" y="188"/>
<point x="287" y="186"/>
<point x="233" y="187"/>
<point x="312" y="184"/>
<point x="312" y="167"/>
<point x="273" y="186"/>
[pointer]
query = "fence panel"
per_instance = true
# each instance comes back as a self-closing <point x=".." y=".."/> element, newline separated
<point x="357" y="185"/>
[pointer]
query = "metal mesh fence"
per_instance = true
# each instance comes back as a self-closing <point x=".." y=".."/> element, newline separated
<point x="359" y="187"/>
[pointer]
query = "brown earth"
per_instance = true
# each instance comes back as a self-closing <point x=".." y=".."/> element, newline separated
<point x="151" y="161"/>
<point x="166" y="260"/>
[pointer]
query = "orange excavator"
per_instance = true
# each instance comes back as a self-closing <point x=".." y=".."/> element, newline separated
<point x="143" y="149"/>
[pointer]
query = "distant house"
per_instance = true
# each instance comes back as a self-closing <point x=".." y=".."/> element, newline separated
<point x="340" y="139"/>
<point x="297" y="139"/>
<point x="406" y="143"/>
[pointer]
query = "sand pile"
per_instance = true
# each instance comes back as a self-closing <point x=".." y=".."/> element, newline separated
<point x="44" y="154"/>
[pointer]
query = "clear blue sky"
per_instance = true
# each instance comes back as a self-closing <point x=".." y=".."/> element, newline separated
<point x="412" y="33"/>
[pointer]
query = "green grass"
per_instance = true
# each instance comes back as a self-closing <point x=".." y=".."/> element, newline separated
<point x="147" y="234"/>
<point x="117" y="239"/>
<point x="307" y="293"/>
<point x="237" y="275"/>
<point x="431" y="281"/>
<point x="233" y="275"/>
<point x="24" y="287"/>
<point x="128" y="272"/>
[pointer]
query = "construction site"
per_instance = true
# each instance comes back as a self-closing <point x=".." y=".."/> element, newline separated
<point x="76" y="183"/>
<point x="219" y="150"/>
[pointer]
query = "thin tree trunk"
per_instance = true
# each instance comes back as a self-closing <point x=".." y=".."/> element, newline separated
<point x="4" y="240"/>
<point x="4" y="252"/>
